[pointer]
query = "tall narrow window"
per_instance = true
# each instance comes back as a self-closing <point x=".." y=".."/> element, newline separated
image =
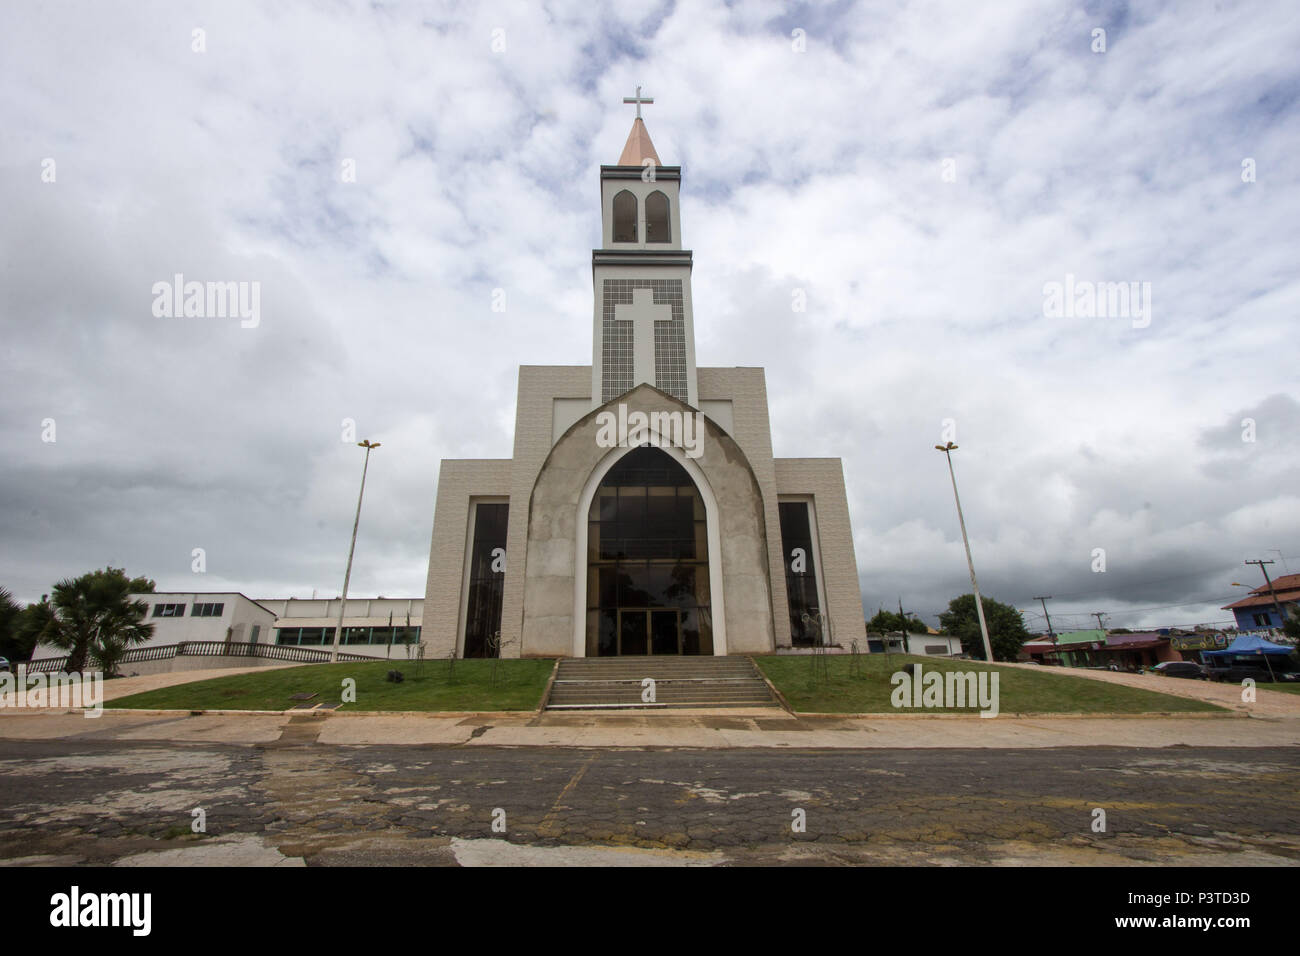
<point x="800" y="573"/>
<point x="625" y="217"/>
<point x="657" y="228"/>
<point x="486" y="580"/>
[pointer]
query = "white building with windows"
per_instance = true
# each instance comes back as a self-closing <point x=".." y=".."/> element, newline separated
<point x="182" y="616"/>
<point x="384" y="628"/>
<point x="643" y="511"/>
<point x="377" y="627"/>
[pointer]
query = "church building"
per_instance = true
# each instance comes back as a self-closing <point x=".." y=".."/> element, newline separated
<point x="643" y="512"/>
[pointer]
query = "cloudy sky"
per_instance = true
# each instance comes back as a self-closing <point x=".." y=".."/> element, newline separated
<point x="922" y="172"/>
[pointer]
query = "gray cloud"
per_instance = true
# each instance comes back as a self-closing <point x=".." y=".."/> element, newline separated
<point x="821" y="171"/>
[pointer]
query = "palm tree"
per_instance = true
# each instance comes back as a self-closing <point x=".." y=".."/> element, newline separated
<point x="93" y="617"/>
<point x="10" y="614"/>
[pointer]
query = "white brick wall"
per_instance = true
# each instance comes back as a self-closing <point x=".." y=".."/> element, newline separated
<point x="823" y="480"/>
<point x="459" y="480"/>
<point x="538" y="386"/>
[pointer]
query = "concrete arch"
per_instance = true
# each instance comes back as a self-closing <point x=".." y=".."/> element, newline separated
<point x="555" y="562"/>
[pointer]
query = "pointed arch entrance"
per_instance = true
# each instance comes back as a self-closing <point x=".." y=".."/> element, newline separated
<point x="649" y="584"/>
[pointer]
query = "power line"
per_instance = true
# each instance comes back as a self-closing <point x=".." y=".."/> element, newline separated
<point x="1177" y="577"/>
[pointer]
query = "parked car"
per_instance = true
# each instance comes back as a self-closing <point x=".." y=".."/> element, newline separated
<point x="1188" y="669"/>
<point x="4" y="665"/>
<point x="1256" y="669"/>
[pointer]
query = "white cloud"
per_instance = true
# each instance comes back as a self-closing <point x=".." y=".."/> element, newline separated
<point x="476" y="170"/>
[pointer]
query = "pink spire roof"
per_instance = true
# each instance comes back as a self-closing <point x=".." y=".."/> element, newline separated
<point x="638" y="148"/>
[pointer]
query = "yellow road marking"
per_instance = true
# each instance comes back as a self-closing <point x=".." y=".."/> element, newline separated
<point x="549" y="822"/>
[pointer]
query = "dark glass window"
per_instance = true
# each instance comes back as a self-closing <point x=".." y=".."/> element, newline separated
<point x="657" y="223"/>
<point x="169" y="610"/>
<point x="304" y="635"/>
<point x="624" y="217"/>
<point x="648" y="561"/>
<point x="800" y="572"/>
<point x="486" y="580"/>
<point x="207" y="610"/>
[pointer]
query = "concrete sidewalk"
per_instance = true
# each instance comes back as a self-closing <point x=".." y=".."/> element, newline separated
<point x="748" y="728"/>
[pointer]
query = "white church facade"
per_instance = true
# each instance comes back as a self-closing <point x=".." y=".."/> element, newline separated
<point x="642" y="512"/>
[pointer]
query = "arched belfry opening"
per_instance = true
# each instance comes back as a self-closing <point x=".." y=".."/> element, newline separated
<point x="658" y="227"/>
<point x="648" y="588"/>
<point x="624" y="217"/>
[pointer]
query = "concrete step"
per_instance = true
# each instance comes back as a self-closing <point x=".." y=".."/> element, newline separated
<point x="654" y="666"/>
<point x="604" y="683"/>
<point x="630" y="695"/>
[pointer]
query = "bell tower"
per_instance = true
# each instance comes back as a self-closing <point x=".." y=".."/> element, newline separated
<point x="644" y="330"/>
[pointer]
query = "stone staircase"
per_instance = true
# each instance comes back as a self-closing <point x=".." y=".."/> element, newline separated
<point x="611" y="683"/>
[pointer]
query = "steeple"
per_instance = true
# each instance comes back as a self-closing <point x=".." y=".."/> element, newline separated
<point x="638" y="148"/>
<point x="643" y="324"/>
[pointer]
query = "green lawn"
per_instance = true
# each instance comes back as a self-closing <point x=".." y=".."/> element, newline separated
<point x="1284" y="688"/>
<point x="519" y="686"/>
<point x="1020" y="690"/>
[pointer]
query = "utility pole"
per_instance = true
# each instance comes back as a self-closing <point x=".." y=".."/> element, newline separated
<point x="1281" y="618"/>
<point x="1056" y="645"/>
<point x="1043" y="601"/>
<point x="948" y="449"/>
<point x="1097" y="615"/>
<point x="368" y="445"/>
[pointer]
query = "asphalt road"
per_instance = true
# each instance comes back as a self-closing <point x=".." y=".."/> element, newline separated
<point x="295" y="800"/>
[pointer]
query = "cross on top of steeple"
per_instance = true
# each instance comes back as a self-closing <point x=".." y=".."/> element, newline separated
<point x="638" y="100"/>
<point x="639" y="149"/>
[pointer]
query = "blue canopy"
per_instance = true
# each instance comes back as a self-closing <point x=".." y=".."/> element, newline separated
<point x="1251" y="644"/>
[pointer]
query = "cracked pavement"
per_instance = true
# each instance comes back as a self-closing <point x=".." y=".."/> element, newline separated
<point x="290" y="799"/>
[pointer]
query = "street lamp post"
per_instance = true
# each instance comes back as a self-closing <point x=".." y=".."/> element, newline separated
<point x="948" y="449"/>
<point x="368" y="445"/>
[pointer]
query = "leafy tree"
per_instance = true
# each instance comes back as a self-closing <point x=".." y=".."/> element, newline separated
<point x="19" y="628"/>
<point x="93" y="616"/>
<point x="1007" y="633"/>
<point x="888" y="621"/>
<point x="11" y="614"/>
<point x="1291" y="628"/>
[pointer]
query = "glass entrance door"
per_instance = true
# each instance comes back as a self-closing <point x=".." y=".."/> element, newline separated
<point x="649" y="631"/>
<point x="632" y="631"/>
<point x="648" y="586"/>
<point x="665" y="632"/>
